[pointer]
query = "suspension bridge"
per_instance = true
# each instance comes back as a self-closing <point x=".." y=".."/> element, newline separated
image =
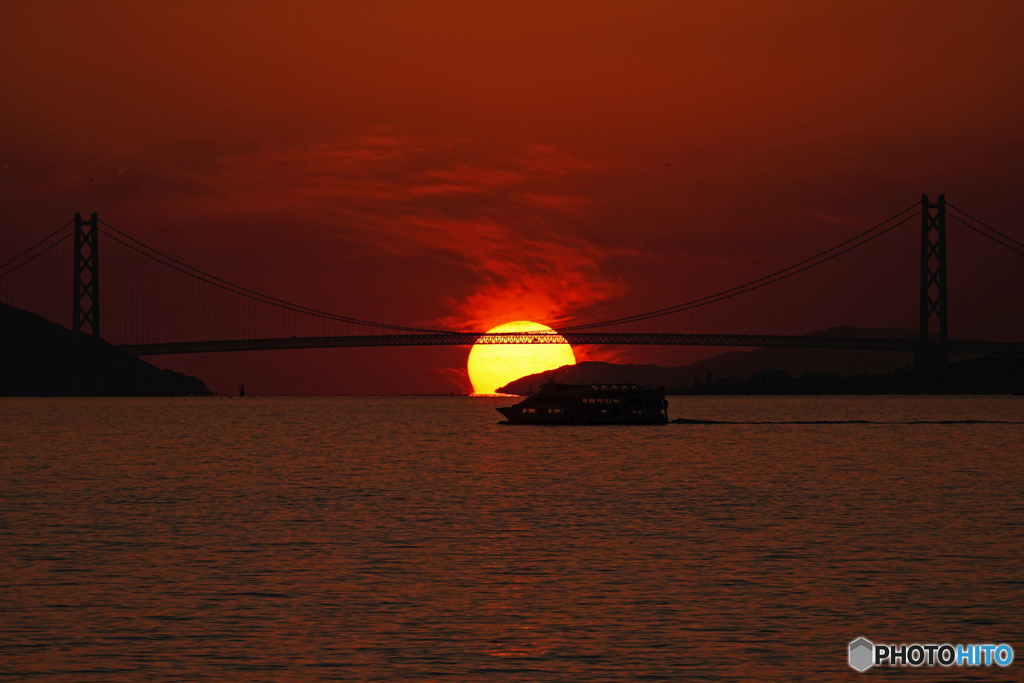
<point x="907" y="273"/>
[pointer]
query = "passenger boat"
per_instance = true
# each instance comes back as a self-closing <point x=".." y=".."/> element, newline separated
<point x="594" y="404"/>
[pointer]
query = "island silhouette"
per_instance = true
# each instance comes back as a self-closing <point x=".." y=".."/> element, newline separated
<point x="781" y="371"/>
<point x="42" y="358"/>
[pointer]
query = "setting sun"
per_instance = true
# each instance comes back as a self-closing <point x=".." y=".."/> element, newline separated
<point x="492" y="366"/>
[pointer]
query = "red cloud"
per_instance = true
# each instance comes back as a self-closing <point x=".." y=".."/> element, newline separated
<point x="500" y="213"/>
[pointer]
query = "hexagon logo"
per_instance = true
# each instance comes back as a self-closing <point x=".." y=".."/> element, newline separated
<point x="862" y="654"/>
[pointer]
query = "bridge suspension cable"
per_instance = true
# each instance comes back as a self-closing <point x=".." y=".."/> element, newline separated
<point x="1019" y="250"/>
<point x="34" y="246"/>
<point x="190" y="271"/>
<point x="965" y="213"/>
<point x="806" y="264"/>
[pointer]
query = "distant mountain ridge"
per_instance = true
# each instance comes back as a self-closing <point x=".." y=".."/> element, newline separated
<point x="42" y="358"/>
<point x="740" y="364"/>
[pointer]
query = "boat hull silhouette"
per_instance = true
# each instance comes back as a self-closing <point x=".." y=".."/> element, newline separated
<point x="599" y="404"/>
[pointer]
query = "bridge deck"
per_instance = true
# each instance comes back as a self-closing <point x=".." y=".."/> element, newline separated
<point x="575" y="338"/>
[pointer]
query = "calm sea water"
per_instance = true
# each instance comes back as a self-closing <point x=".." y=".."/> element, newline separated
<point x="364" y="539"/>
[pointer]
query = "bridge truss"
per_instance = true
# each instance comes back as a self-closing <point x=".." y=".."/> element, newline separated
<point x="574" y="338"/>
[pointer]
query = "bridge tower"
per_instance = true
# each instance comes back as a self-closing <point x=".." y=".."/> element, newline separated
<point x="86" y="280"/>
<point x="933" y="355"/>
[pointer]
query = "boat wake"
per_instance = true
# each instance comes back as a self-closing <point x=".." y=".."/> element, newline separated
<point x="685" y="421"/>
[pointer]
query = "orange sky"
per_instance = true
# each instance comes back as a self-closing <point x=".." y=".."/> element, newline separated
<point x="462" y="164"/>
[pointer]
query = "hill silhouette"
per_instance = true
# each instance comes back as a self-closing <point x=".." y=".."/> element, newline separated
<point x="797" y="371"/>
<point x="42" y="358"/>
